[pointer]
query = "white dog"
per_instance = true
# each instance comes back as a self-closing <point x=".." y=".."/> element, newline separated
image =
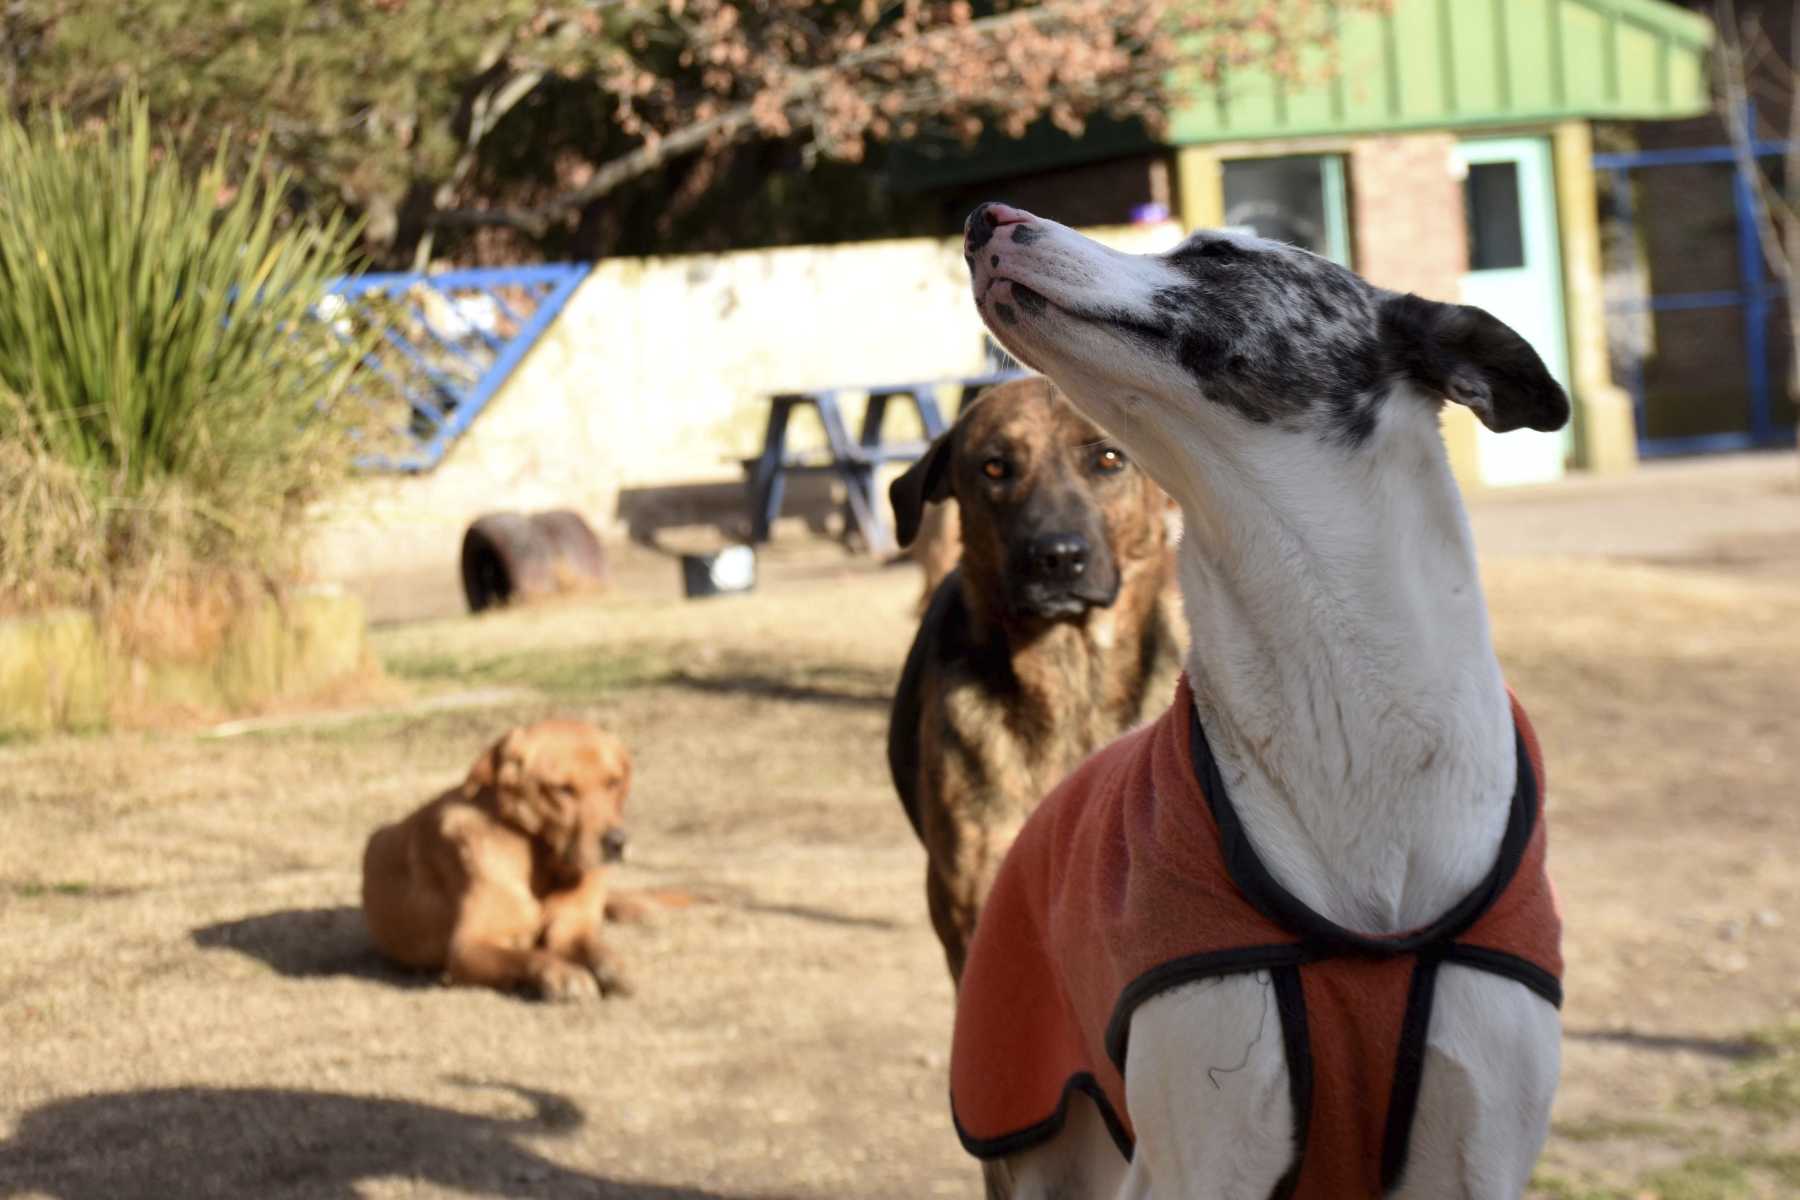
<point x="1296" y="938"/>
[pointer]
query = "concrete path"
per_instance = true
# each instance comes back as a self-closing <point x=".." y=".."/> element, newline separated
<point x="1739" y="513"/>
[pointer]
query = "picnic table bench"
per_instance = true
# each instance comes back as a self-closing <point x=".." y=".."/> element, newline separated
<point x="854" y="460"/>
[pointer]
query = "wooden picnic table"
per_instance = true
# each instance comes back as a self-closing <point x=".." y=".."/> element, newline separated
<point x="854" y="460"/>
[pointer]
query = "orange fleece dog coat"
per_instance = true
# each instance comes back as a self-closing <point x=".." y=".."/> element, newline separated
<point x="1135" y="876"/>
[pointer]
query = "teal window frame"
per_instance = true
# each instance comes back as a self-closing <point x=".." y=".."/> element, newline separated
<point x="1335" y="201"/>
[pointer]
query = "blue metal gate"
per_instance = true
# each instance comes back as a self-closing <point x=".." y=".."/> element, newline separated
<point x="449" y="341"/>
<point x="1757" y="294"/>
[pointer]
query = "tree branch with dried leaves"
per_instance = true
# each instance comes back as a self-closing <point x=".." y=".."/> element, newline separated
<point x="840" y="77"/>
<point x="524" y="115"/>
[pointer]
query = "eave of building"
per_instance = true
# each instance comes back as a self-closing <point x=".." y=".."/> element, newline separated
<point x="1426" y="64"/>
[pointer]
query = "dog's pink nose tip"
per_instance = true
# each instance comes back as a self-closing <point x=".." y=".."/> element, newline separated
<point x="986" y="219"/>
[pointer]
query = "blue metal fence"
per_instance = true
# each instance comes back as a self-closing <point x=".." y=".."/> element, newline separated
<point x="1756" y="294"/>
<point x="450" y="341"/>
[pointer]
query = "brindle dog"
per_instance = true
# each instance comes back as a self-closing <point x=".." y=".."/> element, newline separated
<point x="1053" y="636"/>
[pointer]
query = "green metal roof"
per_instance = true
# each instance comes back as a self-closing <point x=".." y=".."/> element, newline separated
<point x="1458" y="63"/>
<point x="1426" y="64"/>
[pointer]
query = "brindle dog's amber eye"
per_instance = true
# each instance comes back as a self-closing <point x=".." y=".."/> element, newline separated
<point x="1110" y="460"/>
<point x="996" y="468"/>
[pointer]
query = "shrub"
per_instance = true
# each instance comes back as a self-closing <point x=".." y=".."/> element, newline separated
<point x="167" y="396"/>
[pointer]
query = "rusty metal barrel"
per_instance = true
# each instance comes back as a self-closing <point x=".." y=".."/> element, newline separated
<point x="514" y="558"/>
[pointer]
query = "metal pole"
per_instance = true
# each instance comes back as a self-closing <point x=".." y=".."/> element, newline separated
<point x="1625" y="209"/>
<point x="1753" y="271"/>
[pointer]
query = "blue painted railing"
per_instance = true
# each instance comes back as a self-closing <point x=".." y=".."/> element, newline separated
<point x="1756" y="294"/>
<point x="450" y="341"/>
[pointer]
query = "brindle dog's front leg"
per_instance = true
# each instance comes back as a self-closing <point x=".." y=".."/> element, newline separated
<point x="975" y="790"/>
<point x="953" y="928"/>
<point x="965" y="859"/>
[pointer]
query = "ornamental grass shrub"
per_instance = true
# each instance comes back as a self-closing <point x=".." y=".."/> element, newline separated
<point x="168" y="393"/>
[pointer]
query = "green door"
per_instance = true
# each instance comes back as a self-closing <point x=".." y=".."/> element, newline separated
<point x="1515" y="272"/>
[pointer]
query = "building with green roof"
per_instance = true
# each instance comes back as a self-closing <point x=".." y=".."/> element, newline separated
<point x="1448" y="153"/>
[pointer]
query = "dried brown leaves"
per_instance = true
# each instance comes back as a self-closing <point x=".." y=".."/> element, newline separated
<point x="692" y="76"/>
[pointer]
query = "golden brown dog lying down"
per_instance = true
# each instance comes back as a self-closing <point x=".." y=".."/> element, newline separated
<point x="500" y="881"/>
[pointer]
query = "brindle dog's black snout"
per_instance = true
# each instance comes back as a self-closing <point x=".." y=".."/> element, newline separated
<point x="612" y="844"/>
<point x="1058" y="558"/>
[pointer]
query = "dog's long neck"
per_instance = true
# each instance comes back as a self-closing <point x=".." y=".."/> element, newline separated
<point x="1343" y="668"/>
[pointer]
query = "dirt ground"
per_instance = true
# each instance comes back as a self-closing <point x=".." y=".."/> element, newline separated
<point x="189" y="1006"/>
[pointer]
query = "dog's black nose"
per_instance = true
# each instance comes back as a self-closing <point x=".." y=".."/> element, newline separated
<point x="986" y="218"/>
<point x="1058" y="557"/>
<point x="612" y="845"/>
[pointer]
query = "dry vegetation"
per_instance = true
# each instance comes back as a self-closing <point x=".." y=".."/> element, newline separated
<point x="190" y="1007"/>
<point x="167" y="396"/>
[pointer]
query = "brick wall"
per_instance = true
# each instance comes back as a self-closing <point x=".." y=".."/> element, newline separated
<point x="1409" y="233"/>
<point x="1406" y="214"/>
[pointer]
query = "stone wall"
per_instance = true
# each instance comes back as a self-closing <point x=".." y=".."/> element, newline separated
<point x="652" y="377"/>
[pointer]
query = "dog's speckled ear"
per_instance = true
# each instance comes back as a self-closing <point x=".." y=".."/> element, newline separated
<point x="928" y="480"/>
<point x="1468" y="356"/>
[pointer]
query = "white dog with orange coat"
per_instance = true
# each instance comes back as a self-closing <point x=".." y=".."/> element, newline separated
<point x="1295" y="939"/>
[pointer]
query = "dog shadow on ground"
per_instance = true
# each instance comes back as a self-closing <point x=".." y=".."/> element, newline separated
<point x="1731" y="1049"/>
<point x="745" y="900"/>
<point x="844" y="688"/>
<point x="308" y="943"/>
<point x="270" y="1142"/>
<point x="822" y="916"/>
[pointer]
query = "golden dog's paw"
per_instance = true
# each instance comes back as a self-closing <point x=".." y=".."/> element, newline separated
<point x="603" y="964"/>
<point x="565" y="982"/>
<point x="610" y="980"/>
<point x="628" y="908"/>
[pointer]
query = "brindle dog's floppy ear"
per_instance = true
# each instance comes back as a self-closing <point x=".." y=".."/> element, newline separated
<point x="1469" y="356"/>
<point x="929" y="479"/>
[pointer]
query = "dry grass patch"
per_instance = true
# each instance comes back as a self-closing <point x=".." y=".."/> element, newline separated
<point x="191" y="1007"/>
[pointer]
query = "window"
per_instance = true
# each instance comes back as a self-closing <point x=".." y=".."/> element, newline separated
<point x="1299" y="200"/>
<point x="1496" y="227"/>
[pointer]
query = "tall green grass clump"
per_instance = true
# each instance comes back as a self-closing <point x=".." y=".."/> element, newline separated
<point x="166" y="393"/>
